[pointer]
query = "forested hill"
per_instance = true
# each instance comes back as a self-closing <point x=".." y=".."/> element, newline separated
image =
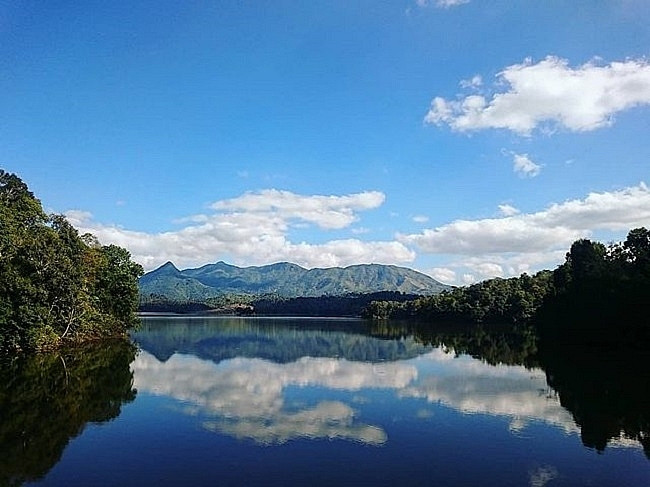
<point x="282" y="279"/>
<point x="56" y="286"/>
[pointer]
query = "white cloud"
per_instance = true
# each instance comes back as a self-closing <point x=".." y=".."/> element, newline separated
<point x="468" y="279"/>
<point x="508" y="210"/>
<point x="486" y="266"/>
<point x="524" y="166"/>
<point x="526" y="242"/>
<point x="324" y="211"/>
<point x="557" y="226"/>
<point x="253" y="229"/>
<point x="443" y="274"/>
<point x="550" y="92"/>
<point x="475" y="81"/>
<point x="420" y="219"/>
<point x="441" y="3"/>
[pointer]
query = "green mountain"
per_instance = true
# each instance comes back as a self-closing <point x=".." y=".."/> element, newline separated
<point x="282" y="279"/>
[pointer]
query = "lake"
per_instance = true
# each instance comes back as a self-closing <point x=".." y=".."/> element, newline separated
<point x="272" y="401"/>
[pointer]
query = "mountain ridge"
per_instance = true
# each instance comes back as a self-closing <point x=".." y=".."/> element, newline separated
<point x="283" y="279"/>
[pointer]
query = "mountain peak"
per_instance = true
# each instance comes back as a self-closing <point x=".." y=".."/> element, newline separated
<point x="285" y="279"/>
<point x="169" y="265"/>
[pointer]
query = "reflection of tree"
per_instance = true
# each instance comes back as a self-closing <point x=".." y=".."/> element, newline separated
<point x="47" y="399"/>
<point x="607" y="391"/>
<point x="494" y="344"/>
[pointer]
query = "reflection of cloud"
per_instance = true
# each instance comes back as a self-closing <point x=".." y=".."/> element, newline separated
<point x="247" y="394"/>
<point x="329" y="419"/>
<point x="472" y="386"/>
<point x="542" y="476"/>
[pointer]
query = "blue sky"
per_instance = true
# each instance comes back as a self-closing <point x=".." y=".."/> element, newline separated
<point x="465" y="139"/>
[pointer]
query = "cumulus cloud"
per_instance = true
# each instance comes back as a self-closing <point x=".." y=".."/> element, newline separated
<point x="557" y="226"/>
<point x="549" y="94"/>
<point x="325" y="211"/>
<point x="254" y="229"/>
<point x="486" y="266"/>
<point x="522" y="242"/>
<point x="524" y="166"/>
<point x="443" y="274"/>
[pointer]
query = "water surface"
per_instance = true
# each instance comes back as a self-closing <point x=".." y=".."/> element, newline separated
<point x="245" y="401"/>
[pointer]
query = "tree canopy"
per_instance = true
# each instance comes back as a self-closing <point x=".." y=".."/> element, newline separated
<point x="55" y="285"/>
<point x="598" y="295"/>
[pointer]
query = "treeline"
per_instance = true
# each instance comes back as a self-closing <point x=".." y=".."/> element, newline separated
<point x="513" y="300"/>
<point x="347" y="305"/>
<point x="326" y="306"/>
<point x="55" y="285"/>
<point x="599" y="293"/>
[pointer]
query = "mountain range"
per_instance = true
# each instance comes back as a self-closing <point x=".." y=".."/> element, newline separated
<point x="282" y="279"/>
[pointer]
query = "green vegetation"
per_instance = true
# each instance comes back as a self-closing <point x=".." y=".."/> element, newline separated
<point x="283" y="280"/>
<point x="513" y="300"/>
<point x="598" y="295"/>
<point x="57" y="286"/>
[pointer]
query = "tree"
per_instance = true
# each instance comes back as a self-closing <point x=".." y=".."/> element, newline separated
<point x="55" y="285"/>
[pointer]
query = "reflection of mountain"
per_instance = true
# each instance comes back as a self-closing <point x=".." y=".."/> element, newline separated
<point x="277" y="340"/>
<point x="47" y="399"/>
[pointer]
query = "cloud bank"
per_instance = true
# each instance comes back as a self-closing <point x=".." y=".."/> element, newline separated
<point x="254" y="229"/>
<point x="549" y="94"/>
<point x="518" y="242"/>
<point x="557" y="226"/>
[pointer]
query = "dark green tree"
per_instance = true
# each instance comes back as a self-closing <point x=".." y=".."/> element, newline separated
<point x="56" y="286"/>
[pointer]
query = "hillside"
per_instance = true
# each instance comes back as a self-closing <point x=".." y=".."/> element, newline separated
<point x="282" y="279"/>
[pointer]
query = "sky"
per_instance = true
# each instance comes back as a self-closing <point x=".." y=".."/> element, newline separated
<point x="467" y="139"/>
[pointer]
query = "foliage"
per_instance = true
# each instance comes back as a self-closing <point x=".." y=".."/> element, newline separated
<point x="598" y="295"/>
<point x="513" y="300"/>
<point x="346" y="305"/>
<point x="601" y="293"/>
<point x="55" y="285"/>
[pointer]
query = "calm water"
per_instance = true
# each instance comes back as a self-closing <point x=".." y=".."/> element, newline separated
<point x="239" y="401"/>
